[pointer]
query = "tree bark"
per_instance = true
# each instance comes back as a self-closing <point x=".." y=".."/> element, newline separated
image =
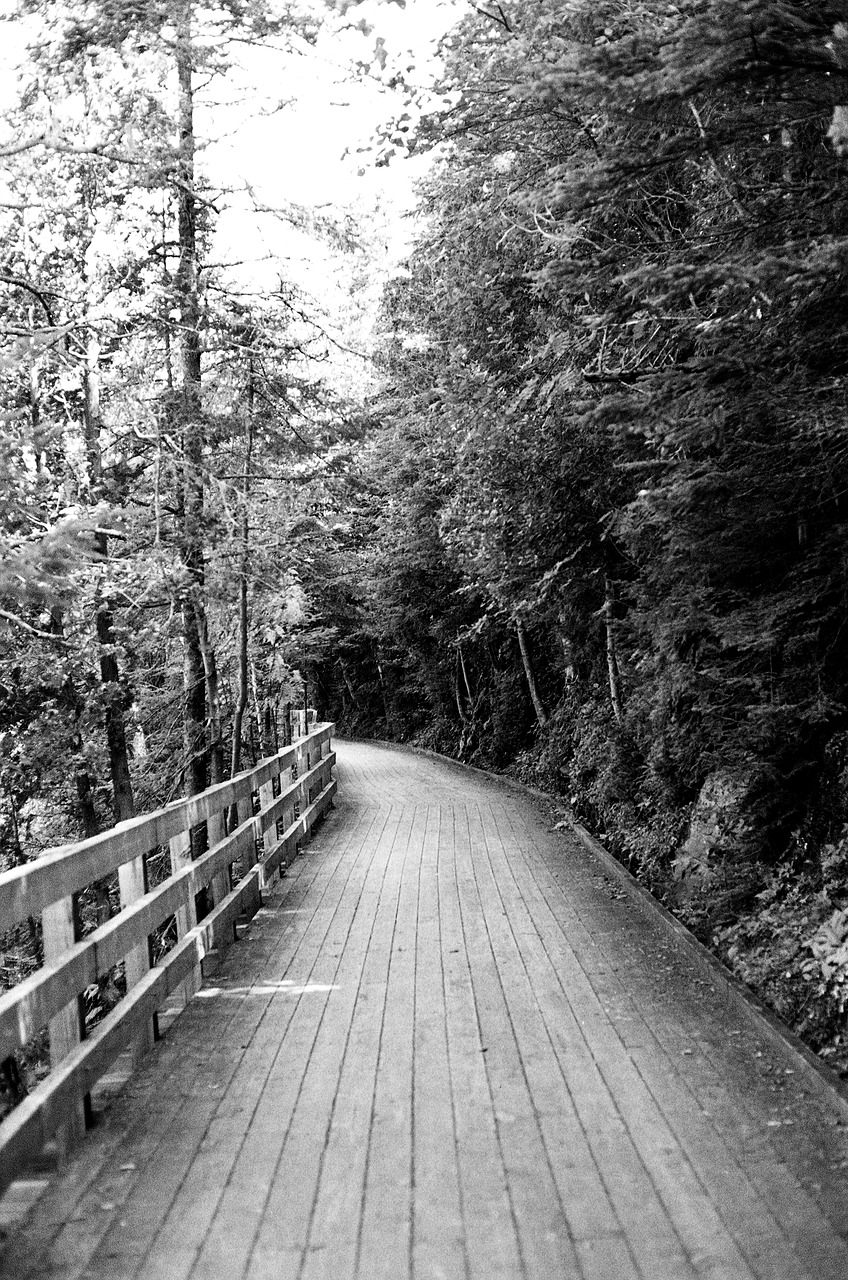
<point x="346" y="678"/>
<point x="383" y="690"/>
<point x="244" y="556"/>
<point x="192" y="540"/>
<point x="469" y="695"/>
<point x="210" y="676"/>
<point x="613" y="669"/>
<point x="123" y="801"/>
<point x="538" y="705"/>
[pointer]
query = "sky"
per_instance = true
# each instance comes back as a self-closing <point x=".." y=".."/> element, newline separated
<point x="311" y="151"/>
<point x="316" y="152"/>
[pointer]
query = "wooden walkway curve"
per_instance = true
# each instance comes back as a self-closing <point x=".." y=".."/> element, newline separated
<point x="449" y="1047"/>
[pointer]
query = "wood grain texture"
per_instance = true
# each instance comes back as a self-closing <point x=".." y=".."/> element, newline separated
<point x="449" y="1047"/>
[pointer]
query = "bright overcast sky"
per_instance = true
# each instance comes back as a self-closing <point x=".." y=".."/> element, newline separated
<point x="310" y="152"/>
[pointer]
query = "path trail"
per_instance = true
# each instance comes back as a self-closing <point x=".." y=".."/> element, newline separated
<point x="449" y="1047"/>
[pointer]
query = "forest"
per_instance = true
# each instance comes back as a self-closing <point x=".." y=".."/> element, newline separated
<point x="581" y="519"/>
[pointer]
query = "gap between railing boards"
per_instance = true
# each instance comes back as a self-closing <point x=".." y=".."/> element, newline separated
<point x="276" y="804"/>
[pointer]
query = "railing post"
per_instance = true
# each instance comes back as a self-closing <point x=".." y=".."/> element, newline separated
<point x="269" y="836"/>
<point x="245" y="812"/>
<point x="302" y="762"/>
<point x="325" y="750"/>
<point x="215" y="831"/>
<point x="60" y="930"/>
<point x="132" y="884"/>
<point x="180" y="849"/>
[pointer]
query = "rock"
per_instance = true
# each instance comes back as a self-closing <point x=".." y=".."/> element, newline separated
<point x="740" y="818"/>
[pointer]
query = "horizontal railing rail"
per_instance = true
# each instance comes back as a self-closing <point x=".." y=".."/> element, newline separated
<point x="226" y="843"/>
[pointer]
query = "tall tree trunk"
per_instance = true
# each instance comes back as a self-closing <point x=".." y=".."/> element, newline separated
<point x="264" y="718"/>
<point x="123" y="803"/>
<point x="613" y="670"/>
<point x="244" y="556"/>
<point x="346" y="678"/>
<point x="20" y="858"/>
<point x="210" y="675"/>
<point x="192" y="542"/>
<point x="538" y="705"/>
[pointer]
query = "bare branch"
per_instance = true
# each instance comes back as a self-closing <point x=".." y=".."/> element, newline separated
<point x="18" y="283"/>
<point x="500" y="17"/>
<point x="42" y="635"/>
<point x="6" y="151"/>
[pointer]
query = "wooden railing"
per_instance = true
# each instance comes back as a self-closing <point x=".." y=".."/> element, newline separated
<point x="248" y="830"/>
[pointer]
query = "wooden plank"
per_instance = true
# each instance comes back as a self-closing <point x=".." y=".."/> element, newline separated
<point x="608" y="1147"/>
<point x="208" y="1062"/>
<point x="227" y="1242"/>
<point x="222" y="1203"/>
<point x="333" y="1240"/>
<point x="221" y="883"/>
<point x="292" y="793"/>
<point x="385" y="1234"/>
<point x="438" y="1223"/>
<point x="691" y="1194"/>
<point x="132" y="886"/>
<point x="60" y="929"/>
<point x="283" y="849"/>
<point x="267" y="819"/>
<point x="186" y="912"/>
<point x="490" y="1226"/>
<point x="519" y="1057"/>
<point x="284" y="1231"/>
<point x="249" y="857"/>
<point x="752" y="1214"/>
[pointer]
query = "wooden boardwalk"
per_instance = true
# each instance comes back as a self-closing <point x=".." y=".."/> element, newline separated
<point x="450" y="1047"/>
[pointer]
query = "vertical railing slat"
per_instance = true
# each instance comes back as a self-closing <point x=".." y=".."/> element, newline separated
<point x="60" y="930"/>
<point x="132" y="885"/>
<point x="269" y="837"/>
<point x="245" y="812"/>
<point x="180" y="849"/>
<point x="216" y="830"/>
